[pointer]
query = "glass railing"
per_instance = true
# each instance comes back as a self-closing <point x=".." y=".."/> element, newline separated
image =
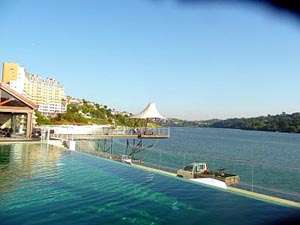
<point x="278" y="181"/>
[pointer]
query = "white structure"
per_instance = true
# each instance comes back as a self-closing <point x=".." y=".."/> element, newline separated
<point x="150" y="112"/>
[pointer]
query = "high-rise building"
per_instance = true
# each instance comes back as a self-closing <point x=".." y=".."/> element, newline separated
<point x="47" y="93"/>
<point x="9" y="72"/>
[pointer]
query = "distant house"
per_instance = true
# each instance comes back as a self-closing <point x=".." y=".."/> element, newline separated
<point x="123" y="113"/>
<point x="77" y="101"/>
<point x="16" y="112"/>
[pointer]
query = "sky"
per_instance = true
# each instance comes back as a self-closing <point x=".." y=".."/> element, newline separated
<point x="194" y="61"/>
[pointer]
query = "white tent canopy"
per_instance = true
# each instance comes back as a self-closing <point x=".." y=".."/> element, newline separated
<point x="150" y="112"/>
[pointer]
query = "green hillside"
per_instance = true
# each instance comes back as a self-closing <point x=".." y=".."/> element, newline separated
<point x="87" y="113"/>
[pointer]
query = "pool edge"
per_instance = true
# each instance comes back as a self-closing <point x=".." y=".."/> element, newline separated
<point x="254" y="195"/>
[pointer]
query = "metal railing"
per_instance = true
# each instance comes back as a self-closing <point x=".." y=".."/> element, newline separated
<point x="73" y="132"/>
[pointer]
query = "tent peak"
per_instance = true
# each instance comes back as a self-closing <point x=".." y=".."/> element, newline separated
<point x="150" y="112"/>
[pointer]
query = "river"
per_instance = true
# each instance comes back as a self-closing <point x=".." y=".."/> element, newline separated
<point x="278" y="149"/>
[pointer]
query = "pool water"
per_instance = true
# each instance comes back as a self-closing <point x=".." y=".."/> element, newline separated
<point x="43" y="184"/>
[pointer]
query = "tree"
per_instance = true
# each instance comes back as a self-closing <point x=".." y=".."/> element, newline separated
<point x="42" y="120"/>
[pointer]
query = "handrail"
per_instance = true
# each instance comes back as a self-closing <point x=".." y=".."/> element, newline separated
<point x="70" y="132"/>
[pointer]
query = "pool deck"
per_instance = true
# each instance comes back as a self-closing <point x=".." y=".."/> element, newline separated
<point x="242" y="192"/>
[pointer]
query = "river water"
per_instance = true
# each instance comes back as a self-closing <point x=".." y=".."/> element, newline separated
<point x="278" y="149"/>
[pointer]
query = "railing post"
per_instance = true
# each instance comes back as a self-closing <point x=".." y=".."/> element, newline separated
<point x="252" y="178"/>
<point x="214" y="168"/>
<point x="48" y="134"/>
<point x="111" y="146"/>
<point x="72" y="133"/>
<point x="159" y="159"/>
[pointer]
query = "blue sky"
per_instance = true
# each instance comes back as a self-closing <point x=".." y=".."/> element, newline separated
<point x="195" y="61"/>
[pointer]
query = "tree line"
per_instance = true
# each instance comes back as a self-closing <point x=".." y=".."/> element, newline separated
<point x="277" y="123"/>
<point x="282" y="123"/>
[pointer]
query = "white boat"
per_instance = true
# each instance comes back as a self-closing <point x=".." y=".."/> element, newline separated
<point x="211" y="181"/>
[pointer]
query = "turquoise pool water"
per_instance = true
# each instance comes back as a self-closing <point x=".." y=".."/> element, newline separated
<point x="42" y="184"/>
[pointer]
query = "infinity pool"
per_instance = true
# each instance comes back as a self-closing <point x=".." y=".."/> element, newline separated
<point x="43" y="184"/>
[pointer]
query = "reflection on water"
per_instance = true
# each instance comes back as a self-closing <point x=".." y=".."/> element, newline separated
<point x="41" y="184"/>
<point x="4" y="155"/>
<point x="23" y="161"/>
